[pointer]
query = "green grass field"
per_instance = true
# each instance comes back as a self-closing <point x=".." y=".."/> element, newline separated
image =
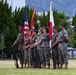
<point x="7" y="68"/>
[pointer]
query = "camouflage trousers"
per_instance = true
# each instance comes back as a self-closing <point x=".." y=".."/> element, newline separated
<point x="34" y="57"/>
<point x="46" y="56"/>
<point x="63" y="54"/>
<point x="39" y="57"/>
<point x="21" y="56"/>
<point x="27" y="55"/>
<point x="55" y="57"/>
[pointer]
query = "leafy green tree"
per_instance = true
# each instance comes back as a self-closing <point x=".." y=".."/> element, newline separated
<point x="60" y="18"/>
<point x="7" y="25"/>
<point x="74" y="23"/>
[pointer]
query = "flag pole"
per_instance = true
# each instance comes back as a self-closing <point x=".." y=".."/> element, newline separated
<point x="31" y="28"/>
<point x="24" y="41"/>
<point x="29" y="47"/>
<point x="51" y="23"/>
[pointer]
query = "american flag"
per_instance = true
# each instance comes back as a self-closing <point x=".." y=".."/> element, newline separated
<point x="25" y="25"/>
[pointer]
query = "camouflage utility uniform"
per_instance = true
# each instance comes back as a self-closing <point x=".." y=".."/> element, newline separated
<point x="45" y="49"/>
<point x="55" y="52"/>
<point x="27" y="42"/>
<point x="39" y="52"/>
<point x="63" y="54"/>
<point x="20" y="48"/>
<point x="34" y="53"/>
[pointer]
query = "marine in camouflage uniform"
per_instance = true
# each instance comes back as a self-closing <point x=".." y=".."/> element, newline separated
<point x="33" y="50"/>
<point x="20" y="48"/>
<point x="63" y="45"/>
<point x="39" y="48"/>
<point x="19" y="40"/>
<point x="27" y="43"/>
<point x="45" y="48"/>
<point x="55" y="52"/>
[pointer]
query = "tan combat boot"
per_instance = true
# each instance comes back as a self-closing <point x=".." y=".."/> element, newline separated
<point x="44" y="67"/>
<point x="48" y="67"/>
<point x="21" y="66"/>
<point x="57" y="66"/>
<point x="66" y="67"/>
<point x="61" y="66"/>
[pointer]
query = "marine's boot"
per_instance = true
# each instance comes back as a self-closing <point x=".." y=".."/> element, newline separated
<point x="48" y="67"/>
<point x="44" y="66"/>
<point x="66" y="67"/>
<point x="25" y="65"/>
<point x="21" y="66"/>
<point x="61" y="66"/>
<point x="57" y="66"/>
<point x="16" y="64"/>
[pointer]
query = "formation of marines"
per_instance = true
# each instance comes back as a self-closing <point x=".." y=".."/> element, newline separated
<point x="37" y="52"/>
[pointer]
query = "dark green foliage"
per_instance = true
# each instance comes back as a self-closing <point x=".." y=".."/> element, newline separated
<point x="7" y="24"/>
<point x="60" y="18"/>
<point x="74" y="23"/>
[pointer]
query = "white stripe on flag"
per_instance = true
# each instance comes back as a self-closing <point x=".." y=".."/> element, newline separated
<point x="26" y="27"/>
<point x="26" y="23"/>
<point x="24" y="32"/>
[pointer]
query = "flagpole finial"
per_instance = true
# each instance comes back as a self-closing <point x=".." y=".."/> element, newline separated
<point x="51" y="2"/>
<point x="33" y="4"/>
<point x="51" y="5"/>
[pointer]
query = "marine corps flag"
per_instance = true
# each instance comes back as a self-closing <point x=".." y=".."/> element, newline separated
<point x="51" y="23"/>
<point x="32" y="22"/>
